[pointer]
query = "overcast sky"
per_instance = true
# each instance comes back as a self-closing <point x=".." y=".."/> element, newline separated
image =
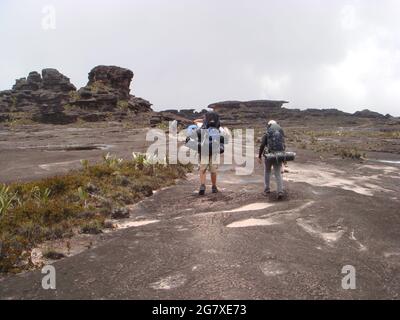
<point x="341" y="54"/>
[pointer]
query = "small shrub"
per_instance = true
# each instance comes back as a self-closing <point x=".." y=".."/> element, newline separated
<point x="83" y="196"/>
<point x="53" y="255"/>
<point x="41" y="196"/>
<point x="93" y="227"/>
<point x="85" y="164"/>
<point x="112" y="161"/>
<point x="354" y="154"/>
<point x="7" y="198"/>
<point x="123" y="104"/>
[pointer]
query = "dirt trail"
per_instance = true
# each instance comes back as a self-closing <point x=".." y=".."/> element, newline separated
<point x="239" y="244"/>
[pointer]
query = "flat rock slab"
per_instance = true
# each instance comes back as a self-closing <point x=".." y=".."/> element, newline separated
<point x="239" y="244"/>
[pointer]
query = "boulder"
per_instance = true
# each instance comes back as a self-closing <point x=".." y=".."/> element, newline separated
<point x="139" y="105"/>
<point x="56" y="82"/>
<point x="115" y="79"/>
<point x="108" y="90"/>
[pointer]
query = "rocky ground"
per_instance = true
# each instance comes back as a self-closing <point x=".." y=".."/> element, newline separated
<point x="237" y="244"/>
<point x="341" y="206"/>
<point x="36" y="151"/>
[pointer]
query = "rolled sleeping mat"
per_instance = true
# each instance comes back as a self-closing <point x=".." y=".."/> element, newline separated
<point x="281" y="156"/>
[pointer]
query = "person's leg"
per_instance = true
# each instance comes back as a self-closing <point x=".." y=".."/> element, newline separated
<point x="203" y="175"/>
<point x="203" y="172"/>
<point x="267" y="175"/>
<point x="278" y="176"/>
<point x="213" y="171"/>
<point x="214" y="179"/>
<point x="214" y="182"/>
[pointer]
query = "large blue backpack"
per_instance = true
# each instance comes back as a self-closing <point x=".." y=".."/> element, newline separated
<point x="204" y="140"/>
<point x="276" y="139"/>
<point x="211" y="137"/>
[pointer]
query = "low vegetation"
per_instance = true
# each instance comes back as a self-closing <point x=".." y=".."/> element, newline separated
<point x="333" y="142"/>
<point x="79" y="202"/>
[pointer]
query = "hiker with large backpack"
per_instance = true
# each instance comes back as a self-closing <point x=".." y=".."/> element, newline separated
<point x="273" y="142"/>
<point x="210" y="144"/>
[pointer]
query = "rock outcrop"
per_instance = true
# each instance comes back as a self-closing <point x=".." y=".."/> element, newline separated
<point x="244" y="105"/>
<point x="239" y="111"/>
<point x="370" y="114"/>
<point x="50" y="97"/>
<point x="117" y="80"/>
<point x="167" y="116"/>
<point x="39" y="97"/>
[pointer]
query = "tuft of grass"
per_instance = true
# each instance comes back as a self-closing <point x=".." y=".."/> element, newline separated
<point x="354" y="154"/>
<point x="162" y="126"/>
<point x="7" y="199"/>
<point x="93" y="227"/>
<point x="85" y="164"/>
<point x="112" y="161"/>
<point x="123" y="104"/>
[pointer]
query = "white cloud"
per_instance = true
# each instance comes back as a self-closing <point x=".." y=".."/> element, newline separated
<point x="274" y="87"/>
<point x="189" y="53"/>
<point x="349" y="18"/>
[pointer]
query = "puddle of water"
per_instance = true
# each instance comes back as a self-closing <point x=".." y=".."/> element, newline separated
<point x="251" y="223"/>
<point x="328" y="237"/>
<point x="361" y="247"/>
<point x="270" y="219"/>
<point x="271" y="269"/>
<point x="129" y="224"/>
<point x="71" y="147"/>
<point x="330" y="177"/>
<point x="391" y="254"/>
<point x="251" y="207"/>
<point x="386" y="161"/>
<point x="294" y="211"/>
<point x="49" y="166"/>
<point x="385" y="168"/>
<point x="67" y="247"/>
<point x="170" y="282"/>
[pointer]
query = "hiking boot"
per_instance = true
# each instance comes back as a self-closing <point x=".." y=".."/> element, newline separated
<point x="202" y="190"/>
<point x="280" y="195"/>
<point x="214" y="189"/>
<point x="267" y="192"/>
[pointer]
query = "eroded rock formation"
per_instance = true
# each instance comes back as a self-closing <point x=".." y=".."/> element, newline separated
<point x="39" y="97"/>
<point x="50" y="97"/>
